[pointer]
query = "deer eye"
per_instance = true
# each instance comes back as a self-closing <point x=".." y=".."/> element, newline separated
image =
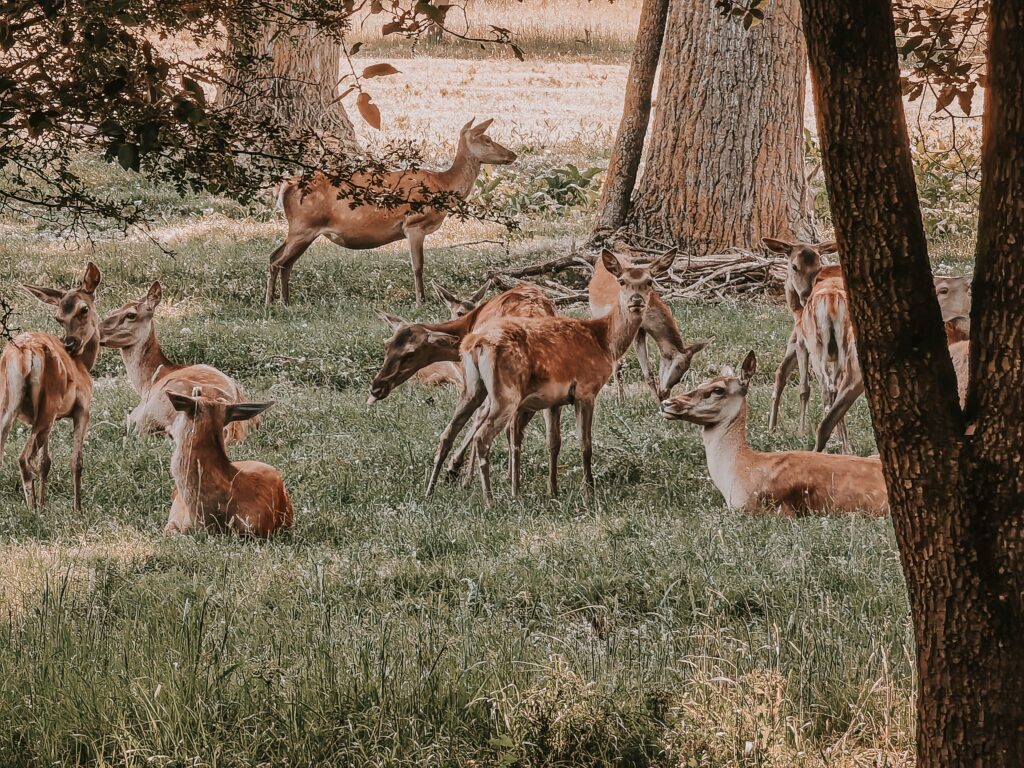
<point x="130" y="316"/>
<point x="83" y="311"/>
<point x="943" y="291"/>
<point x="719" y="391"/>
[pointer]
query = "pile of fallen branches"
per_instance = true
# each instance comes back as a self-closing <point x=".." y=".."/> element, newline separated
<point x="712" y="277"/>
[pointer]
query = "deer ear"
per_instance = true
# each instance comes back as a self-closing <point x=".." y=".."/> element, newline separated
<point x="183" y="403"/>
<point x="92" y="278"/>
<point x="481" y="128"/>
<point x="45" y="295"/>
<point x="748" y="369"/>
<point x="244" y="411"/>
<point x="611" y="262"/>
<point x="156" y="293"/>
<point x="392" y="321"/>
<point x="776" y="246"/>
<point x="444" y="294"/>
<point x="829" y="246"/>
<point x="443" y="339"/>
<point x="477" y="297"/>
<point x="697" y="346"/>
<point x="468" y="125"/>
<point x="664" y="263"/>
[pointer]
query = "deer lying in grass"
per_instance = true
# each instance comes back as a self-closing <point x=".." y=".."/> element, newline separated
<point x="46" y="379"/>
<point x="320" y="208"/>
<point x="803" y="265"/>
<point x="133" y="330"/>
<point x="520" y="366"/>
<point x="211" y="492"/>
<point x="442" y="372"/>
<point x="795" y="482"/>
<point x="955" y="302"/>
<point x="675" y="356"/>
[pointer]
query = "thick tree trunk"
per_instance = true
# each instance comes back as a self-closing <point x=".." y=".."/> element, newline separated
<point x="298" y="84"/>
<point x="636" y="112"/>
<point x="725" y="157"/>
<point x="956" y="501"/>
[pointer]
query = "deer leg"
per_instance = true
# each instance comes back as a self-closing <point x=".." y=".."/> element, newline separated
<point x="273" y="273"/>
<point x="553" y="422"/>
<point x="80" y="420"/>
<point x="6" y="423"/>
<point x="465" y="448"/>
<point x="463" y="410"/>
<point x="43" y="448"/>
<point x="522" y="418"/>
<point x="416" y="238"/>
<point x="496" y="419"/>
<point x="27" y="464"/>
<point x="179" y="520"/>
<point x="782" y="375"/>
<point x="805" y="386"/>
<point x="841" y="403"/>
<point x="640" y="345"/>
<point x="282" y="262"/>
<point x="584" y="430"/>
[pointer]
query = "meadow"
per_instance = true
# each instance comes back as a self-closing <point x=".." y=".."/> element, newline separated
<point x="646" y="625"/>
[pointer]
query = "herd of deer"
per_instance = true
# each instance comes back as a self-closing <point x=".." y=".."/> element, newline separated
<point x="509" y="356"/>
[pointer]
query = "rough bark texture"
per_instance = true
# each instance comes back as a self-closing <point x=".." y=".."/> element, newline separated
<point x="725" y="158"/>
<point x="956" y="499"/>
<point x="636" y="112"/>
<point x="300" y="85"/>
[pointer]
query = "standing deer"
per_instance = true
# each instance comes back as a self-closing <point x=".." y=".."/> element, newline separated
<point x="519" y="366"/>
<point x="132" y="330"/>
<point x="320" y="208"/>
<point x="674" y="355"/>
<point x="46" y="379"/>
<point x="796" y="482"/>
<point x="211" y="492"/>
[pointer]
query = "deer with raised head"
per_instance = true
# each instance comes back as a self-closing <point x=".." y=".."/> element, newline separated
<point x="132" y="329"/>
<point x="442" y="372"/>
<point x="212" y="493"/>
<point x="519" y="366"/>
<point x="675" y="356"/>
<point x="803" y="263"/>
<point x="794" y="482"/>
<point x="321" y="208"/>
<point x="45" y="379"/>
<point x="954" y="295"/>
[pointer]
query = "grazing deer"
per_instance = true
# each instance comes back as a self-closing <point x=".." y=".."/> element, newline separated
<point x="675" y="356"/>
<point x="796" y="482"/>
<point x="955" y="302"/>
<point x="803" y="265"/>
<point x="519" y="366"/>
<point x="320" y="208"/>
<point x="46" y="379"/>
<point x="442" y="372"/>
<point x="132" y="330"/>
<point x="211" y="492"/>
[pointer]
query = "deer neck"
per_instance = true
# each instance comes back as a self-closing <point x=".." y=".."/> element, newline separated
<point x="461" y="176"/>
<point x="619" y="328"/>
<point x="729" y="457"/>
<point x="201" y="469"/>
<point x="660" y="325"/>
<point x="90" y="352"/>
<point x="145" y="362"/>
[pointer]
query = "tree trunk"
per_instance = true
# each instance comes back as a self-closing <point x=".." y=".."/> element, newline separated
<point x="725" y="159"/>
<point x="298" y="84"/>
<point x="955" y="483"/>
<point x="636" y="112"/>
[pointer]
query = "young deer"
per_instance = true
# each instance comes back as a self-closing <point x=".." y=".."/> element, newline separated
<point x="442" y="372"/>
<point x="797" y="482"/>
<point x="803" y="266"/>
<point x="211" y="492"/>
<point x="675" y="356"/>
<point x="132" y="330"/>
<point x="955" y="302"/>
<point x="519" y="366"/>
<point x="320" y="208"/>
<point x="46" y="379"/>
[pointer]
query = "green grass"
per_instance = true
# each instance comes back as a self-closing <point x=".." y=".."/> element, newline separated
<point x="647" y="625"/>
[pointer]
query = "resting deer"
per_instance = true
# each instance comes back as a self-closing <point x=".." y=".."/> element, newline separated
<point x="796" y="482"/>
<point x="802" y="267"/>
<point x="46" y="379"/>
<point x="320" y="208"/>
<point x="211" y="492"/>
<point x="519" y="366"/>
<point x="675" y="356"/>
<point x="442" y="372"/>
<point x="132" y="330"/>
<point x="955" y="302"/>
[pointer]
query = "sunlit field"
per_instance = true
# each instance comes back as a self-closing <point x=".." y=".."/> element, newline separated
<point x="647" y="625"/>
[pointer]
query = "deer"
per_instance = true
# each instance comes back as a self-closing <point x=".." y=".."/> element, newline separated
<point x="954" y="295"/>
<point x="132" y="329"/>
<point x="212" y="493"/>
<point x="518" y="366"/>
<point x="803" y="263"/>
<point x="792" y="482"/>
<point x="320" y="208"/>
<point x="46" y="379"/>
<point x="442" y="372"/>
<point x="675" y="357"/>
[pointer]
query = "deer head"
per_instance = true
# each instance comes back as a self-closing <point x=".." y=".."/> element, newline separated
<point x="482" y="147"/>
<point x="457" y="306"/>
<point x="804" y="262"/>
<point x="674" y="366"/>
<point x="204" y="415"/>
<point x="411" y="347"/>
<point x="719" y="400"/>
<point x="636" y="283"/>
<point x="76" y="309"/>
<point x="131" y="324"/>
<point x="954" y="296"/>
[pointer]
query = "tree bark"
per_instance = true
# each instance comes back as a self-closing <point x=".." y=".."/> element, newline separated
<point x="624" y="163"/>
<point x="298" y="83"/>
<point x="725" y="158"/>
<point x="956" y="499"/>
